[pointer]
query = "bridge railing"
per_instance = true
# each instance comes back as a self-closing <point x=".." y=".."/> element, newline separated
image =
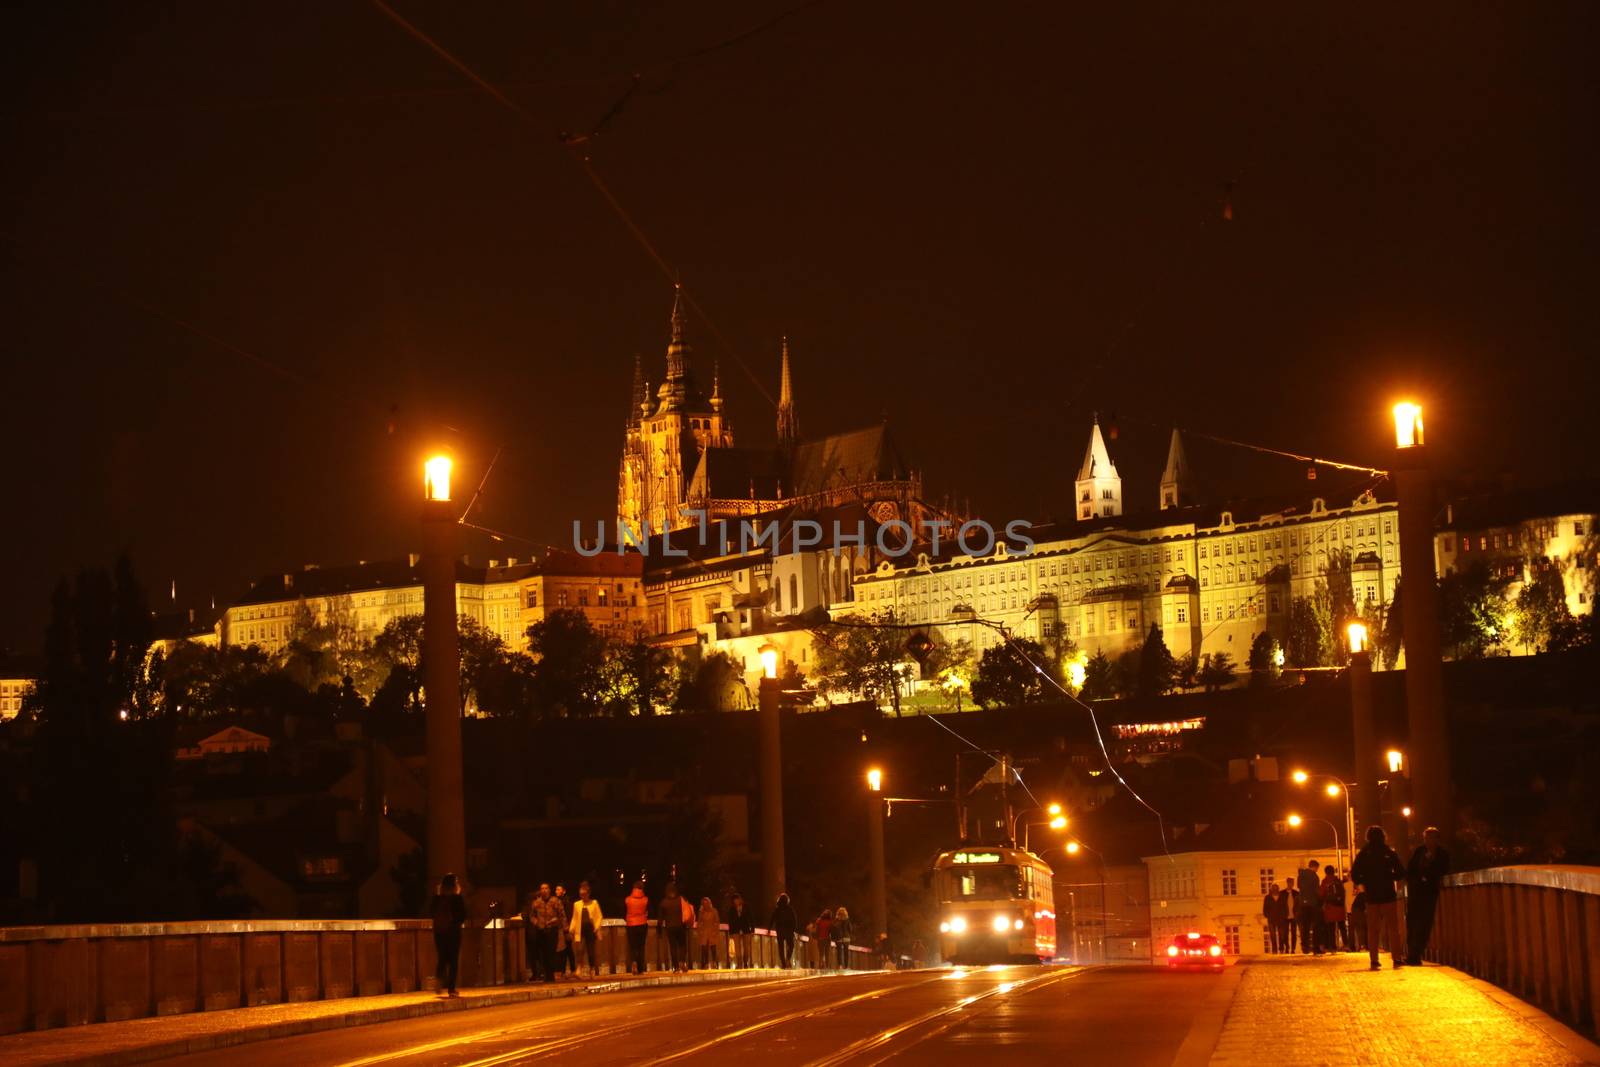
<point x="52" y="976"/>
<point x="1533" y="931"/>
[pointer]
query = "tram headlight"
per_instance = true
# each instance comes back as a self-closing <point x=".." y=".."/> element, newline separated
<point x="1172" y="950"/>
<point x="1016" y="924"/>
<point x="1001" y="924"/>
<point x="958" y="925"/>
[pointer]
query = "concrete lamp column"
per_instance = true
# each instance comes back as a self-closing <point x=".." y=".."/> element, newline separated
<point x="773" y="875"/>
<point x="441" y="661"/>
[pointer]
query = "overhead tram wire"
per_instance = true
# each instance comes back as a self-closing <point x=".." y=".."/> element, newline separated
<point x="589" y="170"/>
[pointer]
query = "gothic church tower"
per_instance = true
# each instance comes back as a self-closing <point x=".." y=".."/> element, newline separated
<point x="1099" y="487"/>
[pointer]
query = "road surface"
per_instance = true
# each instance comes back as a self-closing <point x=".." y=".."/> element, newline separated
<point x="1126" y="1016"/>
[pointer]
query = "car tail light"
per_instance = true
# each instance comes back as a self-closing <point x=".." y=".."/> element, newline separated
<point x="1216" y="950"/>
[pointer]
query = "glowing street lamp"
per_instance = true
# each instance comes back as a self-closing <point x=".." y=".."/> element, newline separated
<point x="876" y="802"/>
<point x="875" y="780"/>
<point x="1295" y="821"/>
<point x="1053" y="809"/>
<point x="769" y="731"/>
<point x="1407" y="425"/>
<point x="1058" y="823"/>
<point x="1333" y="790"/>
<point x="769" y="661"/>
<point x="436" y="478"/>
<point x="1072" y="848"/>
<point x="1298" y="821"/>
<point x="1301" y="777"/>
<point x="1396" y="760"/>
<point x="1357" y="633"/>
<point x="1406" y="811"/>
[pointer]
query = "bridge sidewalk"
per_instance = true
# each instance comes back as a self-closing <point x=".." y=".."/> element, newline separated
<point x="143" y="1040"/>
<point x="1305" y="1010"/>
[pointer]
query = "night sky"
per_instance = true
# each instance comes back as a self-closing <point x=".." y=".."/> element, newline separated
<point x="981" y="221"/>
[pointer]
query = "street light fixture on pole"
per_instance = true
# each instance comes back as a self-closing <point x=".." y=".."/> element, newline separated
<point x="1419" y="620"/>
<point x="772" y="860"/>
<point x="441" y="660"/>
<point x="1367" y="760"/>
<point x="1336" y="787"/>
<point x="1297" y="820"/>
<point x="880" y="893"/>
<point x="1053" y="809"/>
<point x="1055" y="822"/>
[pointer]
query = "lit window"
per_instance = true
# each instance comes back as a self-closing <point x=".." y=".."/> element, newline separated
<point x="1230" y="940"/>
<point x="1230" y="882"/>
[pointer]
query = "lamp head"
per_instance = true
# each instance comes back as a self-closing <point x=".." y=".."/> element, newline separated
<point x="1406" y="811"/>
<point x="1295" y="820"/>
<point x="769" y="661"/>
<point x="1058" y="823"/>
<point x="1333" y="790"/>
<point x="1407" y="425"/>
<point x="875" y="780"/>
<point x="1054" y="809"/>
<point x="1396" y="760"/>
<point x="436" y="478"/>
<point x="1300" y="777"/>
<point x="1072" y="848"/>
<point x="1357" y="633"/>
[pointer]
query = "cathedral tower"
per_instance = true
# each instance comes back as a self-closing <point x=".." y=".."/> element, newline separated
<point x="1099" y="488"/>
<point x="1175" y="479"/>
<point x="788" y="428"/>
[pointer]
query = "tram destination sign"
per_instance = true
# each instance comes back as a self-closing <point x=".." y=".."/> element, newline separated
<point x="977" y="857"/>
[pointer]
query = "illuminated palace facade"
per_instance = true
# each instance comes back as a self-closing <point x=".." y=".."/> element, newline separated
<point x="1211" y="578"/>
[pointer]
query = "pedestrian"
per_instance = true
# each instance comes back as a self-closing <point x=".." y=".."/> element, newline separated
<point x="824" y="939"/>
<point x="636" y="919"/>
<point x="708" y="929"/>
<point x="1333" y="902"/>
<point x="741" y="931"/>
<point x="1274" y="908"/>
<point x="884" y="953"/>
<point x="1424" y="878"/>
<point x="449" y="913"/>
<point x="1358" y="921"/>
<point x="1310" y="917"/>
<point x="783" y="923"/>
<point x="1375" y="872"/>
<point x="547" y="920"/>
<point x="583" y="932"/>
<point x="1291" y="905"/>
<point x="842" y="931"/>
<point x="676" y="916"/>
<point x="566" y="959"/>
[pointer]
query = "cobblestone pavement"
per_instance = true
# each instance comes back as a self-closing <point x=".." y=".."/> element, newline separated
<point x="1303" y="1011"/>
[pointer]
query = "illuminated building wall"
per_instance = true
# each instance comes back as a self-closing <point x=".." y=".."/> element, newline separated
<point x="1513" y="548"/>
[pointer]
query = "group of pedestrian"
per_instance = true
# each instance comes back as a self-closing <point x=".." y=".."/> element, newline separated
<point x="1316" y="909"/>
<point x="562" y="935"/>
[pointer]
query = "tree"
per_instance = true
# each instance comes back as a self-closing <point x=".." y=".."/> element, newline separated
<point x="640" y="676"/>
<point x="325" y="648"/>
<point x="1098" y="678"/>
<point x="1007" y="676"/>
<point x="1305" y="639"/>
<point x="1218" y="671"/>
<point x="392" y="667"/>
<point x="863" y="655"/>
<point x="1158" y="671"/>
<point x="1542" y="615"/>
<point x="1392" y="636"/>
<point x="1472" y="611"/>
<point x="1263" y="660"/>
<point x="715" y="683"/>
<point x="1335" y="602"/>
<point x="569" y="657"/>
<point x="1186" y="675"/>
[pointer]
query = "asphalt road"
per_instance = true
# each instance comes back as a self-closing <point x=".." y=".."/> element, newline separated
<point x="1125" y="1016"/>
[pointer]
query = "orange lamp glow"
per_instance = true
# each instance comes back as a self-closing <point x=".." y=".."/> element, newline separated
<point x="875" y="780"/>
<point x="1407" y="425"/>
<point x="436" y="478"/>
<point x="1333" y="790"/>
<point x="1295" y="820"/>
<point x="1396" y="760"/>
<point x="1357" y="633"/>
<point x="769" y="661"/>
<point x="1301" y="776"/>
<point x="1072" y="848"/>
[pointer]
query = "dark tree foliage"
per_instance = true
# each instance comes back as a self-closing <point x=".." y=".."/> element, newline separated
<point x="1472" y="612"/>
<point x="642" y="676"/>
<point x="569" y="657"/>
<point x="715" y="683"/>
<point x="1099" y="678"/>
<point x="1306" y="637"/>
<point x="1542" y="616"/>
<point x="1158" y="671"/>
<point x="863" y="655"/>
<point x="1263" y="662"/>
<point x="1218" y="671"/>
<point x="1007" y="676"/>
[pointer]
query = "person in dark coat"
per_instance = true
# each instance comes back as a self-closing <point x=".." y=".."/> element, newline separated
<point x="1424" y="878"/>
<point x="1375" y="872"/>
<point x="1275" y="910"/>
<point x="449" y="913"/>
<point x="741" y="930"/>
<point x="1310" y="903"/>
<point x="1291" y="904"/>
<point x="784" y="922"/>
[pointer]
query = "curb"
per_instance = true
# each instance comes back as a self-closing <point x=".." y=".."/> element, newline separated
<point x="1201" y="1040"/>
<point x="155" y="1050"/>
<point x="1579" y="1046"/>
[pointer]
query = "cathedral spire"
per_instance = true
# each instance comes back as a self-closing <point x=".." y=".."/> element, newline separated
<point x="1099" y="487"/>
<point x="641" y="395"/>
<point x="678" y="349"/>
<point x="788" y="427"/>
<point x="1175" y="479"/>
<point x="716" y="385"/>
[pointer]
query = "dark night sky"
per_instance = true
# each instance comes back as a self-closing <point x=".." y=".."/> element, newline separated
<point x="954" y="211"/>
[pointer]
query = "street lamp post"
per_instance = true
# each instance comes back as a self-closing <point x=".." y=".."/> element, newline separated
<point x="1367" y="759"/>
<point x="1336" y="787"/>
<point x="1297" y="820"/>
<point x="880" y="893"/>
<point x="441" y="659"/>
<point x="1055" y="822"/>
<point x="1419" y="620"/>
<point x="772" y="862"/>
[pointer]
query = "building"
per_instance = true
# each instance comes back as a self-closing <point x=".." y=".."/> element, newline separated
<point x="1211" y="577"/>
<point x="1513" y="534"/>
<point x="18" y="676"/>
<point x="607" y="588"/>
<point x="679" y="459"/>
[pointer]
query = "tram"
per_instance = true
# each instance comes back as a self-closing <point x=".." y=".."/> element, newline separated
<point x="996" y="905"/>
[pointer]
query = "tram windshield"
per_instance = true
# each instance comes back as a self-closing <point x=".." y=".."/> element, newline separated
<point x="982" y="883"/>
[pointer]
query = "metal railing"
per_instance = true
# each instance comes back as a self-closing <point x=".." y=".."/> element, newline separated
<point x="1533" y="931"/>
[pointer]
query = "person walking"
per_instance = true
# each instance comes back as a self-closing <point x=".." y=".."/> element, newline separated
<point x="824" y="939"/>
<point x="1291" y="904"/>
<point x="566" y="959"/>
<point x="1375" y="872"/>
<point x="1424" y="879"/>
<point x="1333" y="902"/>
<point x="708" y="929"/>
<point x="676" y="916"/>
<point x="1274" y="911"/>
<point x="784" y="921"/>
<point x="843" y="931"/>
<point x="1310" y="901"/>
<point x="449" y="914"/>
<point x="547" y="919"/>
<point x="741" y="932"/>
<point x="636" y="922"/>
<point x="583" y="932"/>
